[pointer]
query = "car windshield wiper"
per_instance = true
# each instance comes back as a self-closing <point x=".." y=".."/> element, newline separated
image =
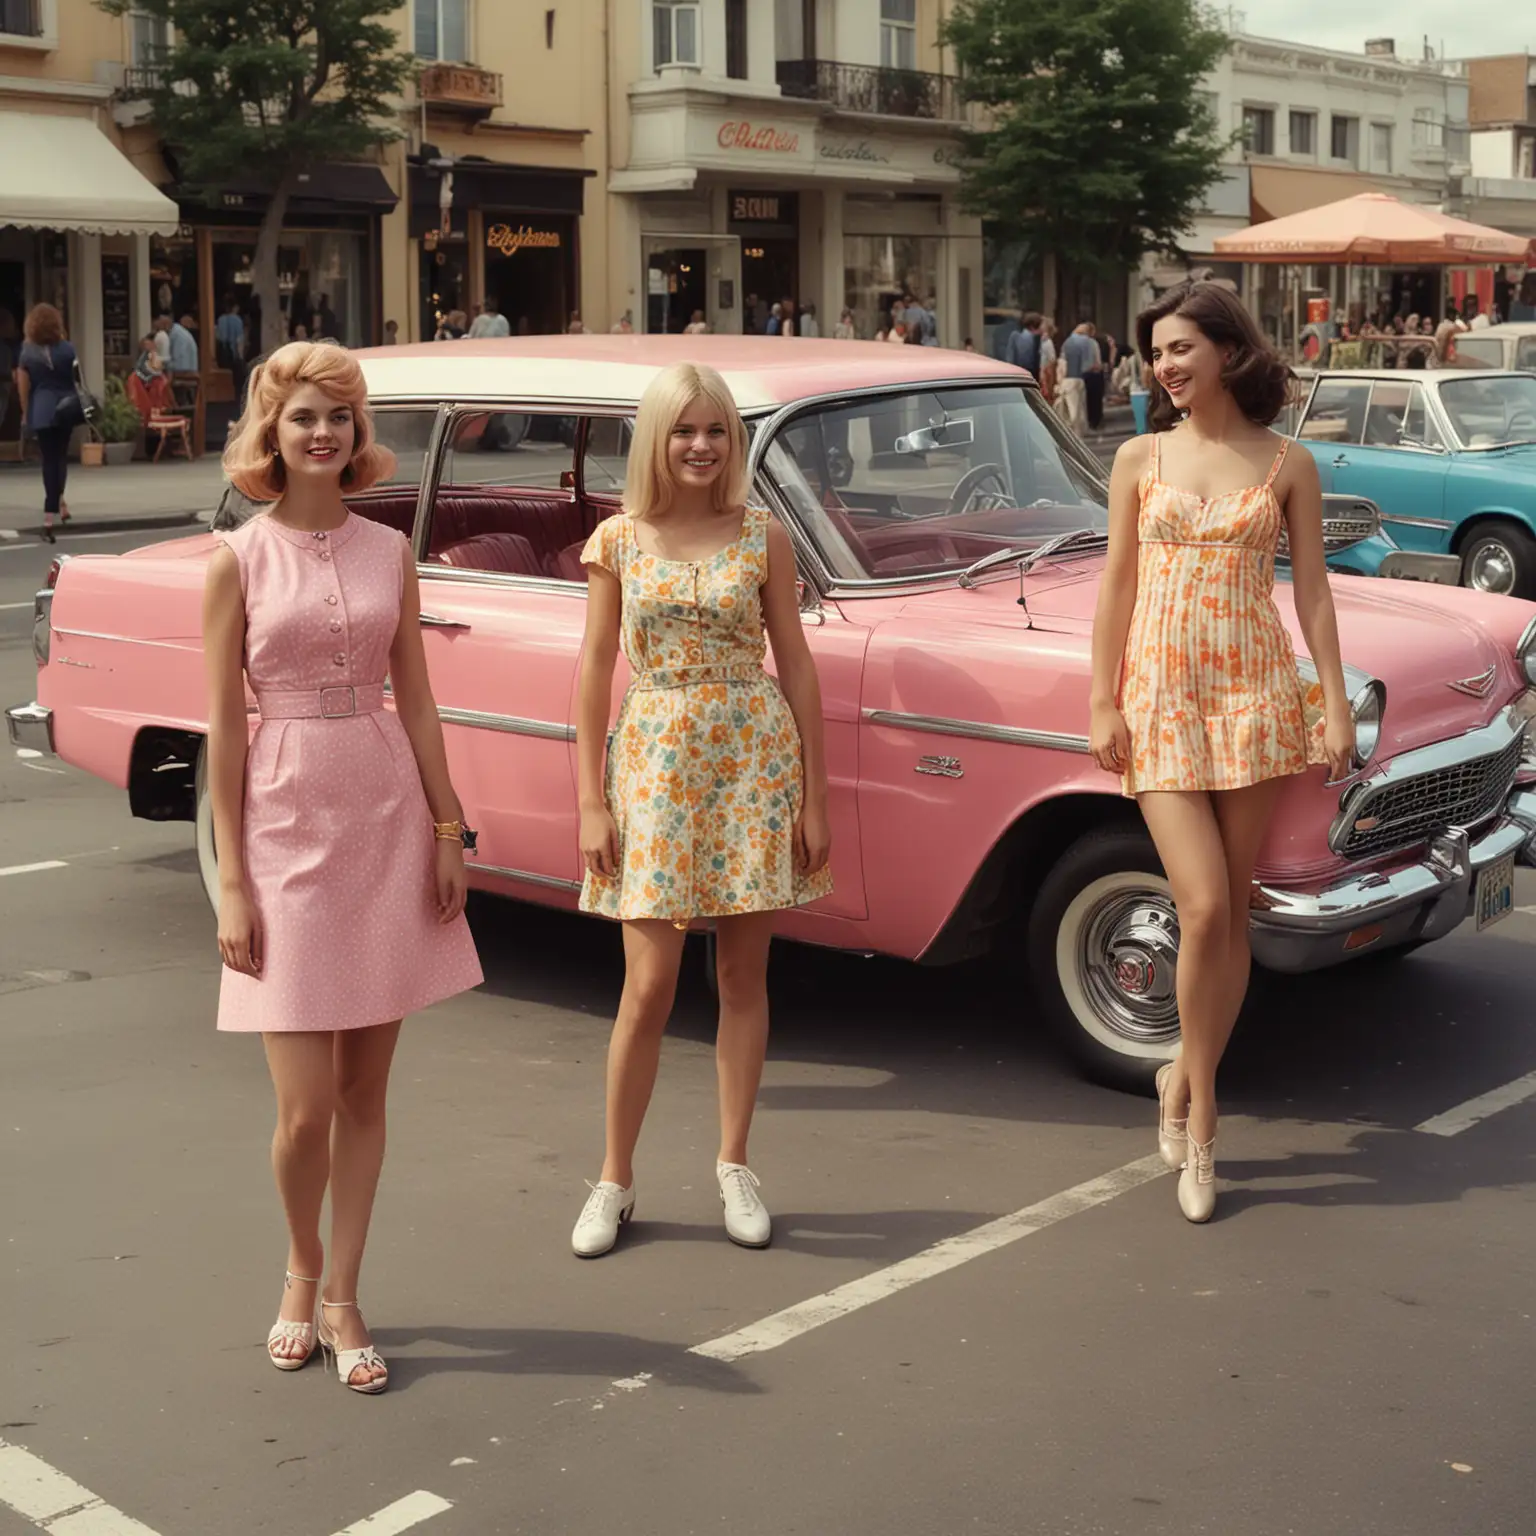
<point x="1027" y="558"/>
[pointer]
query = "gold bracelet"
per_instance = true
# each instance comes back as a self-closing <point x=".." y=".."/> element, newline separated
<point x="448" y="831"/>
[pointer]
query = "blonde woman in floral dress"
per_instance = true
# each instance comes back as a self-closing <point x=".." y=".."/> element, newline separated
<point x="713" y="803"/>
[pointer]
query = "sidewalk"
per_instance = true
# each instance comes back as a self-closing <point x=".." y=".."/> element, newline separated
<point x="129" y="496"/>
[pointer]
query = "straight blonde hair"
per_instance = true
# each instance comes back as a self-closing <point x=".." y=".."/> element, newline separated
<point x="649" y="484"/>
<point x="250" y="459"/>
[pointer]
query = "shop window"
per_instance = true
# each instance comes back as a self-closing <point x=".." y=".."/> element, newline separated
<point x="676" y="31"/>
<point x="320" y="278"/>
<point x="880" y="269"/>
<point x="1381" y="147"/>
<point x="442" y="30"/>
<point x="21" y="18"/>
<point x="736" y="39"/>
<point x="1259" y="130"/>
<point x="1304" y="134"/>
<point x="505" y="502"/>
<point x="898" y="34"/>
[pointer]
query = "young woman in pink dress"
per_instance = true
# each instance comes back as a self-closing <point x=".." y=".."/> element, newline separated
<point x="1197" y="702"/>
<point x="341" y="862"/>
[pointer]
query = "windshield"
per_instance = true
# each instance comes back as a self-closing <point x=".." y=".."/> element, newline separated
<point x="931" y="481"/>
<point x="1493" y="412"/>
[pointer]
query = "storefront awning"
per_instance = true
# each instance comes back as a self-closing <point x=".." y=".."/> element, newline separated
<point x="64" y="173"/>
<point x="1278" y="191"/>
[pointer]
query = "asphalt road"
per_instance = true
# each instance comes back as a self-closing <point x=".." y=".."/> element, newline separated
<point x="1347" y="1348"/>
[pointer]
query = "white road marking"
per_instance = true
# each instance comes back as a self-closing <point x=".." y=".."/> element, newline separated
<point x="58" y="1504"/>
<point x="400" y="1516"/>
<point x="948" y="1254"/>
<point x="7" y="607"/>
<point x="80" y="538"/>
<point x="1454" y="1121"/>
<point x="28" y="869"/>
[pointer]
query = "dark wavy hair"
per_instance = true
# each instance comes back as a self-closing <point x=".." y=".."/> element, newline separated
<point x="1256" y="377"/>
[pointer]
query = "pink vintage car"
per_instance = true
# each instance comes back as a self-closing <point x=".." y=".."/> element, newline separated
<point x="951" y="536"/>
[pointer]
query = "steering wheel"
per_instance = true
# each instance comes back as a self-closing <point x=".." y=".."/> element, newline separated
<point x="1524" y="421"/>
<point x="966" y="487"/>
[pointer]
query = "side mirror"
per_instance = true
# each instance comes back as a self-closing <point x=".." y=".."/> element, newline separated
<point x="567" y="479"/>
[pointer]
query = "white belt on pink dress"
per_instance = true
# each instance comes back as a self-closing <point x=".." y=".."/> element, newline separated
<point x="335" y="703"/>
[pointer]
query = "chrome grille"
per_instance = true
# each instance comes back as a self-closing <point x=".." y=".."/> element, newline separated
<point x="1411" y="811"/>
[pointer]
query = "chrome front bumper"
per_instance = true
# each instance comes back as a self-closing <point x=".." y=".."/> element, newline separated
<point x="30" y="726"/>
<point x="1310" y="930"/>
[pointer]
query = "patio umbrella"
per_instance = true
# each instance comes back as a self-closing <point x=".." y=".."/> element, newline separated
<point x="1373" y="228"/>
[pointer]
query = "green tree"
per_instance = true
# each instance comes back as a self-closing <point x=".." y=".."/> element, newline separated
<point x="266" y="90"/>
<point x="1100" y="146"/>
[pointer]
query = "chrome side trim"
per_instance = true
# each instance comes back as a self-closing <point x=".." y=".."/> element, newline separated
<point x="513" y="725"/>
<point x="978" y="730"/>
<point x="524" y="876"/>
<point x="1416" y="522"/>
<point x="435" y="572"/>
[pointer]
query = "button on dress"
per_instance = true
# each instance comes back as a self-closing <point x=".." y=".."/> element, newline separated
<point x="339" y="849"/>
<point x="704" y="777"/>
<point x="1209" y="691"/>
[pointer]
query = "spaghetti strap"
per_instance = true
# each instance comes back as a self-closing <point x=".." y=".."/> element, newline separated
<point x="1157" y="458"/>
<point x="1274" y="469"/>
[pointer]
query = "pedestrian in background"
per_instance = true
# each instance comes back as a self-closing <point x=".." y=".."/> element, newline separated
<point x="1024" y="345"/>
<point x="1196" y="702"/>
<point x="576" y="327"/>
<point x="1049" y="363"/>
<point x="1094" y="380"/>
<point x="809" y="325"/>
<point x="786" y="316"/>
<point x="50" y="405"/>
<point x="311" y="605"/>
<point x="713" y="801"/>
<point x="183" y="345"/>
<point x="775" y="320"/>
<point x="489" y="322"/>
<point x="845" y="330"/>
<point x="1079" y="357"/>
<point x="697" y="325"/>
<point x="229" y="345"/>
<point x="391" y="333"/>
<point x="162" y="334"/>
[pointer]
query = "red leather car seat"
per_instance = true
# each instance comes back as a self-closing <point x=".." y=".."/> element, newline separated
<point x="509" y="553"/>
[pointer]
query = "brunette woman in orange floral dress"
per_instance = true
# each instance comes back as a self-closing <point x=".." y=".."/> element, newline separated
<point x="713" y="800"/>
<point x="1197" y="702"/>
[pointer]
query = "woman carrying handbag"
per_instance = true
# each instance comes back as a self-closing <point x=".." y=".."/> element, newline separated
<point x="53" y="403"/>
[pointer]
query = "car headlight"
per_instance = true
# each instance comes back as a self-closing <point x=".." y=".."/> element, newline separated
<point x="1525" y="652"/>
<point x="1367" y="709"/>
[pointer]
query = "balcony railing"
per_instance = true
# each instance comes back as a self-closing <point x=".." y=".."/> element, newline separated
<point x="867" y="88"/>
<point x="462" y="89"/>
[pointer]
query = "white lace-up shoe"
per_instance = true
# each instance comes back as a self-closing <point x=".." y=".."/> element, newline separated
<point x="597" y="1228"/>
<point x="746" y="1217"/>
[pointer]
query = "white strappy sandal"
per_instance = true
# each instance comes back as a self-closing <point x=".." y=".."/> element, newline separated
<point x="283" y="1331"/>
<point x="348" y="1360"/>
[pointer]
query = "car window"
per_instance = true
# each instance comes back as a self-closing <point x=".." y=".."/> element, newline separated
<point x="1338" y="411"/>
<point x="505" y="502"/>
<point x="928" y="481"/>
<point x="605" y="455"/>
<point x="1399" y="417"/>
<point x="407" y="432"/>
<point x="1491" y="412"/>
<point x="1479" y="352"/>
<point x="1525" y="352"/>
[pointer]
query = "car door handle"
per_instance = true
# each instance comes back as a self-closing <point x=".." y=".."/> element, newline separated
<point x="432" y="621"/>
<point x="1340" y="461"/>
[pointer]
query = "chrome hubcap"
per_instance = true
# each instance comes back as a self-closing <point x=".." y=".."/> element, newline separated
<point x="1492" y="569"/>
<point x="1128" y="950"/>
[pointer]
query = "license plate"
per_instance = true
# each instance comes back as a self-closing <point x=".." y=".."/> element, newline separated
<point x="1495" y="892"/>
<point x="1439" y="570"/>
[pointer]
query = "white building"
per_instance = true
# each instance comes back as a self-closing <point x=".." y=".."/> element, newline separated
<point x="1315" y="126"/>
<point x="1501" y="187"/>
<point x="788" y="148"/>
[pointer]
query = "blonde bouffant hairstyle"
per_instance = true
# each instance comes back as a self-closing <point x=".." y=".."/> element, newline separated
<point x="250" y="460"/>
<point x="649" y="484"/>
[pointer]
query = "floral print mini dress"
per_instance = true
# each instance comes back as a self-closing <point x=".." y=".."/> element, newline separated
<point x="1209" y="689"/>
<point x="704" y="778"/>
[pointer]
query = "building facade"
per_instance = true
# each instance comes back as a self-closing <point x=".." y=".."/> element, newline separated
<point x="1500" y="188"/>
<point x="787" y="149"/>
<point x="1312" y="126"/>
<point x="77" y="211"/>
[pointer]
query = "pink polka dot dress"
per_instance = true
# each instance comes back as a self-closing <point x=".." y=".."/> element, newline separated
<point x="339" y="851"/>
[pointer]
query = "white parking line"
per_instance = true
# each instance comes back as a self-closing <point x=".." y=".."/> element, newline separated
<point x="7" y="607"/>
<point x="28" y="869"/>
<point x="1454" y="1121"/>
<point x="56" y="1503"/>
<point x="951" y="1252"/>
<point x="400" y="1516"/>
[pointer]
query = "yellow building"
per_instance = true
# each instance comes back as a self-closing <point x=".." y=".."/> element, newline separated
<point x="76" y="215"/>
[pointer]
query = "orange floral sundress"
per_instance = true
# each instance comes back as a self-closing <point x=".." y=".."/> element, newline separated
<point x="1209" y="686"/>
<point x="704" y="778"/>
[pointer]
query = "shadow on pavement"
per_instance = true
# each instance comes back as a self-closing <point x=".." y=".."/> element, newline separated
<point x="607" y="1357"/>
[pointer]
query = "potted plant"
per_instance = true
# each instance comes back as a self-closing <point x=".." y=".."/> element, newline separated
<point x="119" y="425"/>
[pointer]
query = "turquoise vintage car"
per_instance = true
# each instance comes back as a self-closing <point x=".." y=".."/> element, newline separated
<point x="1450" y="458"/>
